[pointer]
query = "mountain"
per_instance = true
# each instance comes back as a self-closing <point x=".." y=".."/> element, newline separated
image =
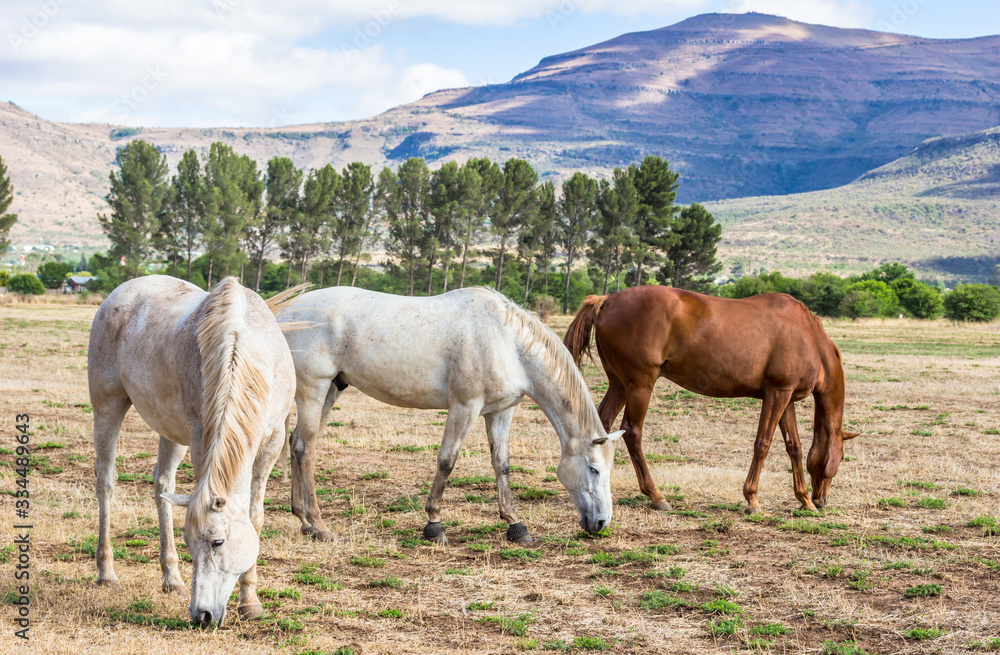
<point x="742" y="104"/>
<point x="937" y="209"/>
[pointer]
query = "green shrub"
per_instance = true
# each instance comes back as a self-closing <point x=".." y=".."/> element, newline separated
<point x="26" y="285"/>
<point x="53" y="274"/>
<point x="869" y="298"/>
<point x="918" y="299"/>
<point x="973" y="302"/>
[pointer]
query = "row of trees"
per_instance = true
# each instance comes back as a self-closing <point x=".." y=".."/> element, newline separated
<point x="433" y="226"/>
<point x="887" y="291"/>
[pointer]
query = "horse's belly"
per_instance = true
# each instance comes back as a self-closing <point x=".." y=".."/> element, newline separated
<point x="402" y="397"/>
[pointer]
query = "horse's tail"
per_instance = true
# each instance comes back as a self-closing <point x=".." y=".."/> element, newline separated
<point x="282" y="302"/>
<point x="577" y="338"/>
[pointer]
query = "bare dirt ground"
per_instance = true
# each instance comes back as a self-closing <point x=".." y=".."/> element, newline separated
<point x="906" y="559"/>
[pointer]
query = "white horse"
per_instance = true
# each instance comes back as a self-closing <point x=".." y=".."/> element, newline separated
<point x="205" y="370"/>
<point x="470" y="351"/>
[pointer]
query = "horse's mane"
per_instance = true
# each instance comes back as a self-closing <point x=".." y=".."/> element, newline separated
<point x="556" y="359"/>
<point x="233" y="397"/>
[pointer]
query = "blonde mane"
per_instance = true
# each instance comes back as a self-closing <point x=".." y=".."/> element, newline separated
<point x="234" y="395"/>
<point x="556" y="359"/>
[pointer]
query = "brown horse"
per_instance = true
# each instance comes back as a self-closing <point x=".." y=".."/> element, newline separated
<point x="769" y="347"/>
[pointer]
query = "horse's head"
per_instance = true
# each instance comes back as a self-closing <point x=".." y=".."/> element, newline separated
<point x="825" y="455"/>
<point x="586" y="474"/>
<point x="223" y="545"/>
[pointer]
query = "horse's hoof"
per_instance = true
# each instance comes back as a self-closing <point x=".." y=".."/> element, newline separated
<point x="174" y="587"/>
<point x="251" y="611"/>
<point x="323" y="536"/>
<point x="518" y="533"/>
<point x="751" y="510"/>
<point x="110" y="584"/>
<point x="661" y="505"/>
<point x="434" y="531"/>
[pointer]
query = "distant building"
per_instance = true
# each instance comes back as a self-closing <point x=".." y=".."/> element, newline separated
<point x="77" y="283"/>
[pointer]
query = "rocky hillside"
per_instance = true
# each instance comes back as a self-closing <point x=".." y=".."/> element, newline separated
<point x="937" y="209"/>
<point x="744" y="105"/>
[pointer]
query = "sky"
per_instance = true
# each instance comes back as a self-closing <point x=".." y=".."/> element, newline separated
<point x="252" y="63"/>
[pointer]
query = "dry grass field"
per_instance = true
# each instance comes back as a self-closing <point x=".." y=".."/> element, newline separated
<point x="906" y="559"/>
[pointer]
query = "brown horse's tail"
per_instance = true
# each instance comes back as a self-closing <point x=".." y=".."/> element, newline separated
<point x="577" y="339"/>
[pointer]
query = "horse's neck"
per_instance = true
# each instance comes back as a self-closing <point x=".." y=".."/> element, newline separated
<point x="569" y="415"/>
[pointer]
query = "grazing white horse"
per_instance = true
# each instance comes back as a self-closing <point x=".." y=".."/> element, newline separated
<point x="470" y="351"/>
<point x="205" y="370"/>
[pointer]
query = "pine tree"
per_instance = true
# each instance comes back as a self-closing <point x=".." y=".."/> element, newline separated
<point x="137" y="198"/>
<point x="481" y="184"/>
<point x="656" y="188"/>
<point x="407" y="212"/>
<point x="353" y="213"/>
<point x="617" y="204"/>
<point x="444" y="203"/>
<point x="188" y="201"/>
<point x="515" y="206"/>
<point x="6" y="198"/>
<point x="310" y="225"/>
<point x="691" y="258"/>
<point x="282" y="185"/>
<point x="577" y="212"/>
<point x="235" y="197"/>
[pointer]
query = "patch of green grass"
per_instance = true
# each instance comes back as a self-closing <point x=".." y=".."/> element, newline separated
<point x="927" y="502"/>
<point x="600" y="534"/>
<point x="389" y="581"/>
<point x="683" y="587"/>
<point x="405" y="504"/>
<point x="980" y="521"/>
<point x="724" y="627"/>
<point x="555" y="644"/>
<point x="591" y="643"/>
<point x="534" y="493"/>
<point x="365" y="560"/>
<point x="389" y="613"/>
<point x="859" y="580"/>
<point x="375" y="475"/>
<point x="916" y="543"/>
<point x="922" y="591"/>
<point x="924" y="633"/>
<point x="603" y="591"/>
<point x="721" y="526"/>
<point x="894" y="501"/>
<point x="481" y="605"/>
<point x="288" y="592"/>
<point x="843" y="648"/>
<point x="49" y="444"/>
<point x="656" y="599"/>
<point x="522" y="554"/>
<point x="672" y="572"/>
<point x="455" y="570"/>
<point x="133" y="618"/>
<point x="933" y="529"/>
<point x="516" y="626"/>
<point x="726" y="591"/>
<point x="722" y="606"/>
<point x="965" y="491"/>
<point x="612" y="560"/>
<point x="462" y="481"/>
<point x="895" y="566"/>
<point x="918" y="485"/>
<point x="770" y="630"/>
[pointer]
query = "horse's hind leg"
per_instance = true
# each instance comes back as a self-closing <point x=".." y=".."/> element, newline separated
<point x="460" y="420"/>
<point x="497" y="431"/>
<point x="109" y="411"/>
<point x="310" y="406"/>
<point x="790" y="431"/>
<point x="612" y="402"/>
<point x="169" y="456"/>
<point x="249" y="606"/>
<point x="636" y="405"/>
<point x="775" y="402"/>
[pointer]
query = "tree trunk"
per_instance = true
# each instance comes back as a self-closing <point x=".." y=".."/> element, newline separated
<point x="447" y="268"/>
<point x="503" y="248"/>
<point x="211" y="259"/>
<point x="638" y="271"/>
<point x="465" y="258"/>
<point x="430" y="272"/>
<point x="569" y="264"/>
<point x="412" y="260"/>
<point x="527" y="282"/>
<point x="340" y="269"/>
<point x="189" y="264"/>
<point x="260" y="267"/>
<point x="288" y="273"/>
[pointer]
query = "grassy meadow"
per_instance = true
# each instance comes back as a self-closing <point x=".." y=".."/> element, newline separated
<point x="906" y="558"/>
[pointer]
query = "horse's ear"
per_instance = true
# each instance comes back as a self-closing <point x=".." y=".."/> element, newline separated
<point x="218" y="503"/>
<point x="177" y="500"/>
<point x="614" y="436"/>
<point x="851" y="435"/>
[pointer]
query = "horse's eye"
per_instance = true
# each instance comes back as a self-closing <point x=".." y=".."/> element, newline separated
<point x="594" y="471"/>
<point x="218" y="542"/>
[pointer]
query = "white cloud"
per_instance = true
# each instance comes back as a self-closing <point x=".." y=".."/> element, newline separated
<point x="837" y="13"/>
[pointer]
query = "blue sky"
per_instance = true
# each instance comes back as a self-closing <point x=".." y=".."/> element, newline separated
<point x="204" y="63"/>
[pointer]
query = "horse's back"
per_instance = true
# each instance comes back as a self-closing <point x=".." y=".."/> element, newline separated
<point x="405" y="351"/>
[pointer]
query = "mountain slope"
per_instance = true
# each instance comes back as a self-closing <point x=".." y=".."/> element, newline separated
<point x="936" y="209"/>
<point x="742" y="105"/>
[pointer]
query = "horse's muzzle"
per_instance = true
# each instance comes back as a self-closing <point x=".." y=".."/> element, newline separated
<point x="593" y="525"/>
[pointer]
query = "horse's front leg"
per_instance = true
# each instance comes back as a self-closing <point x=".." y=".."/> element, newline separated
<point x="498" y="431"/>
<point x="460" y="420"/>
<point x="793" y="446"/>
<point x="249" y="606"/>
<point x="108" y="415"/>
<point x="169" y="456"/>
<point x="775" y="402"/>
